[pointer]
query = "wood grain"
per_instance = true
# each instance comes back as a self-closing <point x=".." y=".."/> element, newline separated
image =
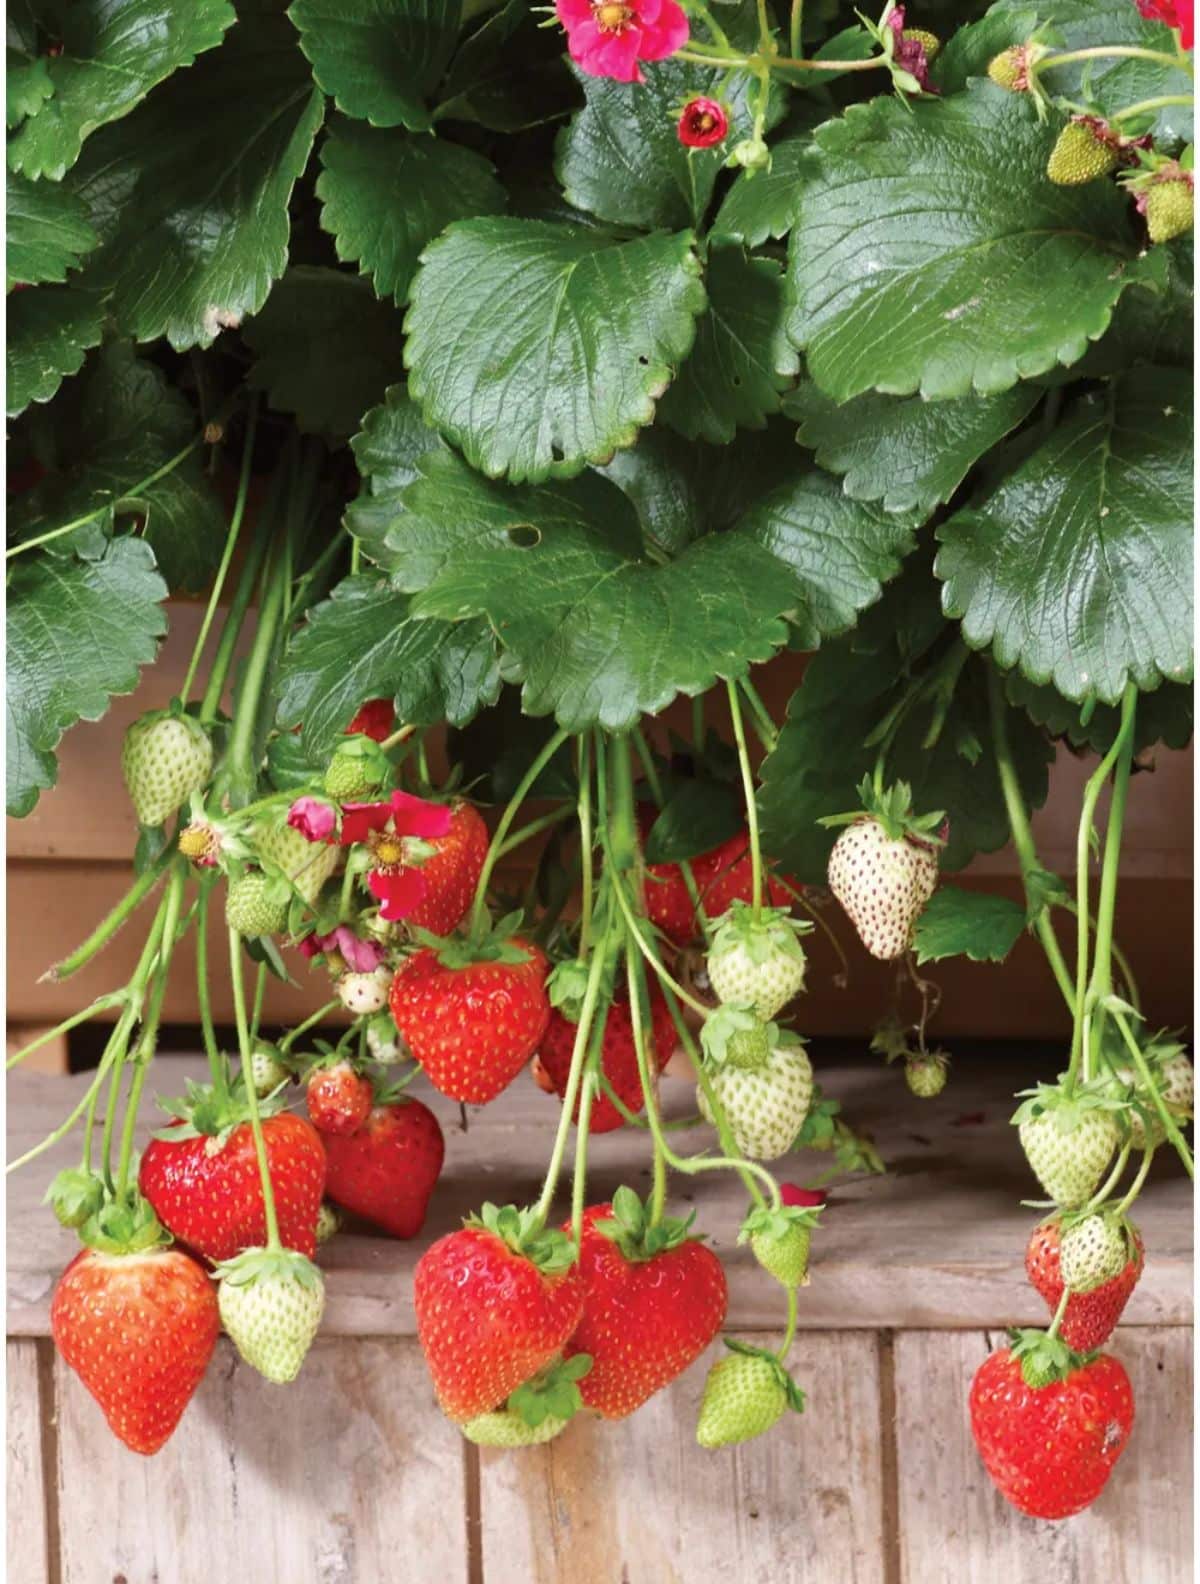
<point x="955" y="1168"/>
<point x="638" y="1502"/>
<point x="26" y="1549"/>
<point x="350" y="1477"/>
<point x="956" y="1529"/>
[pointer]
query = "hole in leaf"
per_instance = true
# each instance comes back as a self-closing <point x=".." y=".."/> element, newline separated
<point x="557" y="452"/>
<point x="523" y="536"/>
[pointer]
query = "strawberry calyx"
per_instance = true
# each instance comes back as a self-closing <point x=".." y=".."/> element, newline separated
<point x="631" y="1229"/>
<point x="1067" y="1108"/>
<point x="213" y="1111"/>
<point x="892" y="808"/>
<point x="124" y="1226"/>
<point x="553" y="1393"/>
<point x="254" y="1265"/>
<point x="735" y="1036"/>
<point x="795" y="1397"/>
<point x="75" y="1195"/>
<point x="776" y="1225"/>
<point x="522" y="1231"/>
<point x="1044" y="1358"/>
<point x="493" y="945"/>
<point x="764" y="937"/>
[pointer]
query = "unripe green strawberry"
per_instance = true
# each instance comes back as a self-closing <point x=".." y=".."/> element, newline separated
<point x="267" y="1072"/>
<point x="1091" y="1252"/>
<point x="925" y="1073"/>
<point x="271" y="1303"/>
<point x="1010" y="69"/>
<point x="75" y="1195"/>
<point x="164" y="759"/>
<point x="780" y="1241"/>
<point x="505" y="1429"/>
<point x="329" y="1221"/>
<point x="1170" y="208"/>
<point x="765" y="1092"/>
<point x="757" y="961"/>
<point x="1085" y="150"/>
<point x="253" y="905"/>
<point x="1068" y="1140"/>
<point x="306" y="864"/>
<point x="357" y="770"/>
<point x="744" y="1395"/>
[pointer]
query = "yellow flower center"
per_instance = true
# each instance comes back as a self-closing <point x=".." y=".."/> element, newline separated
<point x="387" y="850"/>
<point x="611" y="16"/>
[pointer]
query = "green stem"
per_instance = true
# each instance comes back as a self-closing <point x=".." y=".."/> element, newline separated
<point x="535" y="827"/>
<point x="583" y="809"/>
<point x="656" y="792"/>
<point x="635" y="982"/>
<point x="478" y="910"/>
<point x="290" y="1038"/>
<point x="1138" y="1182"/>
<point x="247" y="581"/>
<point x="1160" y="1105"/>
<point x="207" y="1028"/>
<point x="739" y="733"/>
<point x="1022" y="834"/>
<point x="768" y="732"/>
<point x="260" y="1143"/>
<point x="231" y="539"/>
<point x="1102" y="52"/>
<point x="634" y="1119"/>
<point x="793" y="1314"/>
<point x="1144" y="106"/>
<point x="244" y="772"/>
<point x="1110" y="1182"/>
<point x="706" y="59"/>
<point x="111" y="923"/>
<point x="1063" y="1301"/>
<point x="1100" y="984"/>
<point x="592" y="1075"/>
<point x="651" y="955"/>
<point x="101" y="1004"/>
<point x="797" y="24"/>
<point x="260" y="990"/>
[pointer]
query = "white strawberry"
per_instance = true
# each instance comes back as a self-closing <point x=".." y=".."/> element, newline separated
<point x="267" y="1072"/>
<point x="762" y="1080"/>
<point x="365" y="993"/>
<point x="1068" y="1139"/>
<point x="165" y="757"/>
<point x="884" y="868"/>
<point x="306" y="864"/>
<point x="756" y="960"/>
<point x="1091" y="1252"/>
<point x="271" y="1302"/>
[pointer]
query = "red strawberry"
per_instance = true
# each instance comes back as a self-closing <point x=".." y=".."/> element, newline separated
<point x="653" y="1301"/>
<point x="1050" y="1449"/>
<point x="203" y="1182"/>
<point x="474" y="1026"/>
<point x="339" y="1099"/>
<point x="1089" y="1318"/>
<point x="452" y="874"/>
<point x="376" y="719"/>
<point x="386" y="1171"/>
<point x="138" y="1329"/>
<point x="619" y="1058"/>
<point x="723" y="876"/>
<point x="495" y="1303"/>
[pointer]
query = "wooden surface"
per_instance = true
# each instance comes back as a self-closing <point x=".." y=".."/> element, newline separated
<point x="28" y="1561"/>
<point x="938" y="1241"/>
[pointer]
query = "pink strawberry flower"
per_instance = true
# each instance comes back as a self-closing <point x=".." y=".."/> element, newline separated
<point x="608" y="38"/>
<point x="360" y="956"/>
<point x="702" y="124"/>
<point x="313" y="818"/>
<point x="387" y="830"/>
<point x="909" y="53"/>
<point x="1179" y="14"/>
<point x="803" y="1198"/>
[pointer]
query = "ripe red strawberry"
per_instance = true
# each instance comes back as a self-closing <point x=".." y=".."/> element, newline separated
<point x="452" y="874"/>
<point x="653" y="1300"/>
<point x="138" y="1329"/>
<point x="723" y="876"/>
<point x="385" y="1172"/>
<point x="472" y="1023"/>
<point x="495" y="1303"/>
<point x="339" y="1099"/>
<point x="1050" y="1449"/>
<point x="201" y="1176"/>
<point x="1089" y="1318"/>
<point x="618" y="1058"/>
<point x="376" y="719"/>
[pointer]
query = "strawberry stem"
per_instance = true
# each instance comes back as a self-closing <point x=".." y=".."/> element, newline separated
<point x="768" y="733"/>
<point x="1064" y="1300"/>
<point x="656" y="792"/>
<point x="789" y="1335"/>
<point x="260" y="1144"/>
<point x="208" y="1031"/>
<point x="739" y="733"/>
<point x="1136" y="1185"/>
<point x="1144" y="106"/>
<point x="1113" y="1178"/>
<point x="636" y="982"/>
<point x="112" y="922"/>
<point x="290" y="1038"/>
<point x="1148" y="1081"/>
<point x="479" y="907"/>
<point x="101" y="1004"/>
<point x="1100" y="984"/>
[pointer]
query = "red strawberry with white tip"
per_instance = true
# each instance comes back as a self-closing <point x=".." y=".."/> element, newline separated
<point x="495" y="1302"/>
<point x="386" y="1170"/>
<point x="884" y="868"/>
<point x="1089" y="1318"/>
<point x="653" y="1300"/>
<point x="472" y="1013"/>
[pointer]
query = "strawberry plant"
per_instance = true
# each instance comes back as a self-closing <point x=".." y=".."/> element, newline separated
<point x="497" y="382"/>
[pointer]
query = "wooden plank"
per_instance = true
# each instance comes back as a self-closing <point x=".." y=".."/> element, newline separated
<point x="956" y="1529"/>
<point x="48" y="1058"/>
<point x="26" y="1549"/>
<point x="335" y="1480"/>
<point x="639" y="1503"/>
<point x="875" y="1263"/>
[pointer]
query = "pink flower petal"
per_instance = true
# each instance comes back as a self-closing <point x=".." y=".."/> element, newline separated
<point x="361" y="956"/>
<point x="398" y="893"/>
<point x="668" y="34"/>
<point x="806" y="1198"/>
<point x="313" y="818"/>
<point x="359" y="819"/>
<point x="413" y="816"/>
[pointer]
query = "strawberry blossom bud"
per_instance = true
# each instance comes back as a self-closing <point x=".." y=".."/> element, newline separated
<point x="312" y="818"/>
<point x="702" y="124"/>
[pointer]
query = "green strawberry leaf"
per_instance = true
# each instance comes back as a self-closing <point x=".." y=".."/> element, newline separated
<point x="325" y="347"/>
<point x="386" y="194"/>
<point x="379" y="62"/>
<point x="765" y="205"/>
<point x="1162" y="716"/>
<point x="194" y="227"/>
<point x="697" y="816"/>
<point x="742" y="361"/>
<point x="121" y="421"/>
<point x="598" y="634"/>
<point x="50" y="330"/>
<point x="48" y="233"/>
<point x="538" y="348"/>
<point x="362" y="643"/>
<point x="28" y="83"/>
<point x="932" y="253"/>
<point x="620" y="157"/>
<point x="969" y="924"/>
<point x="908" y="453"/>
<point x="1078" y="567"/>
<point x="506" y="76"/>
<point x="114" y="52"/>
<point x="78" y="633"/>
